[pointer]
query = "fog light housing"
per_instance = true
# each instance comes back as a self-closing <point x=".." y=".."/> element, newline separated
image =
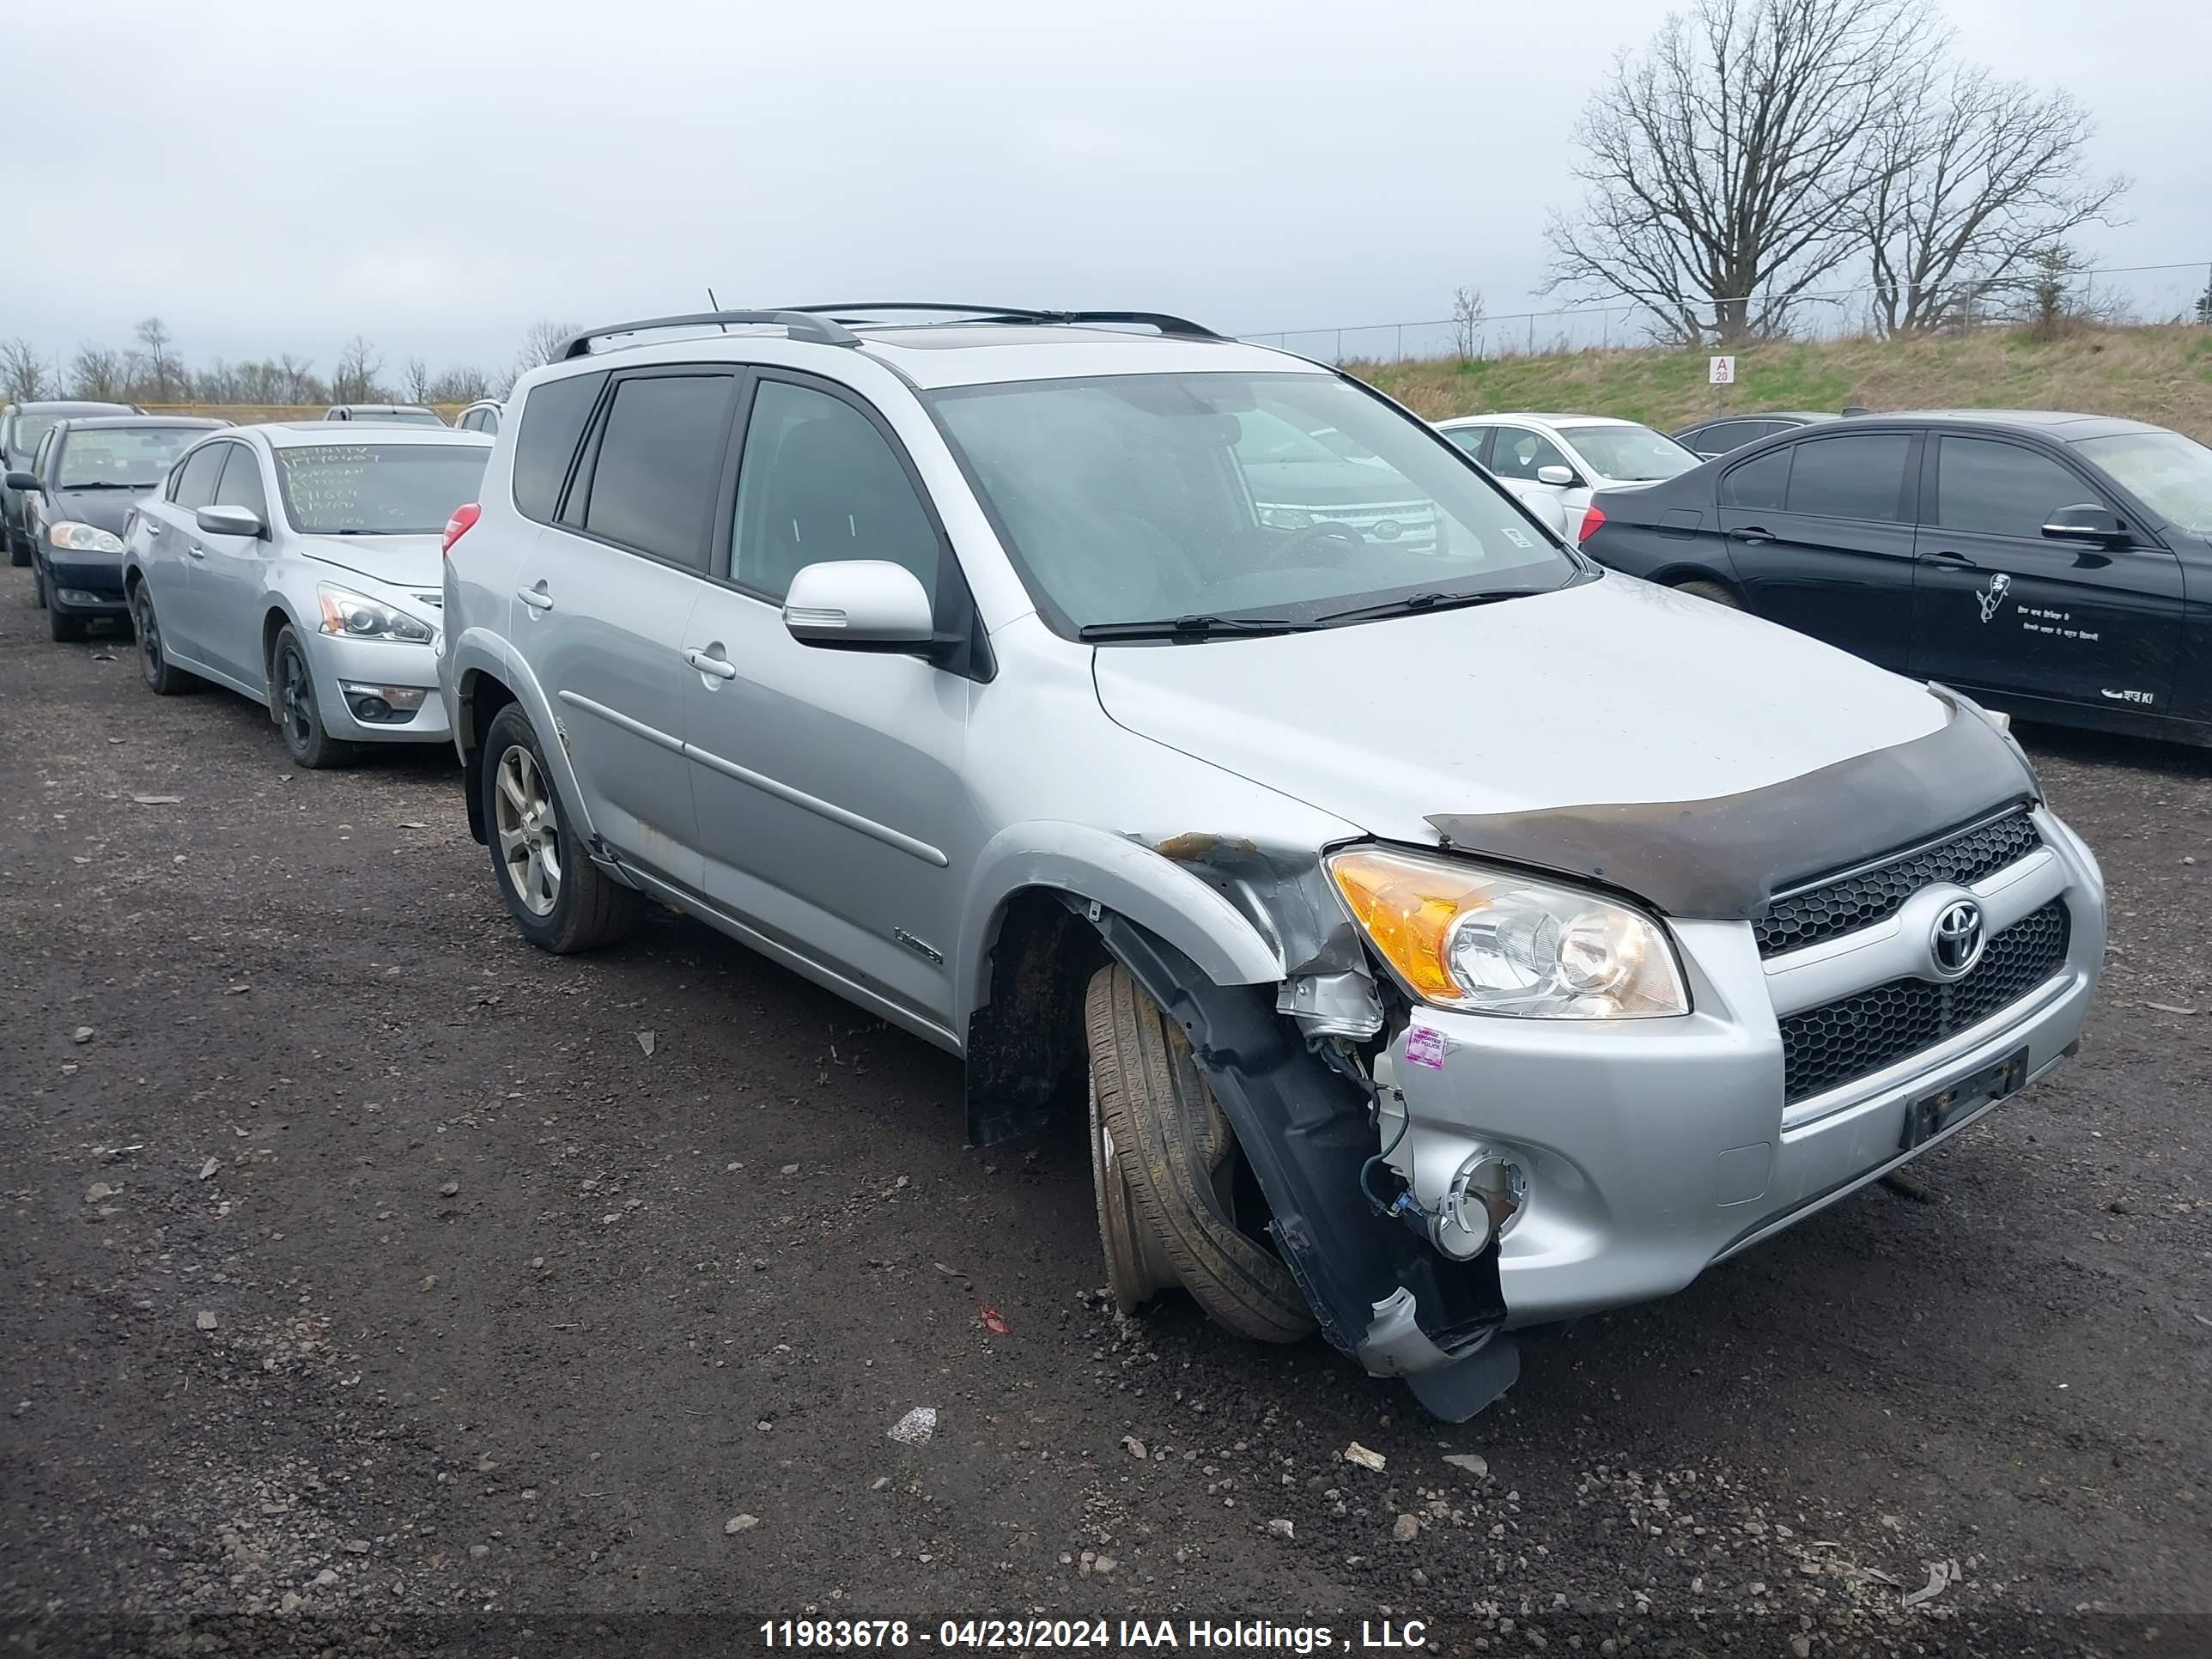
<point x="81" y="596"/>
<point x="383" y="705"/>
<point x="1486" y="1196"/>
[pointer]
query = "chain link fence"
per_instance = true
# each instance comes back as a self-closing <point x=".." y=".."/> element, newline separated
<point x="2132" y="294"/>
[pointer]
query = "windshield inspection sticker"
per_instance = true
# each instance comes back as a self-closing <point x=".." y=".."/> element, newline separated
<point x="1515" y="536"/>
<point x="1424" y="1046"/>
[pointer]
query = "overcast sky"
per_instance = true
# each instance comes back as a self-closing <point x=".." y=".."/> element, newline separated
<point x="271" y="175"/>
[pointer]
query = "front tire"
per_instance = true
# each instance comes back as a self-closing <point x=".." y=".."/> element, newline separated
<point x="19" y="548"/>
<point x="162" y="677"/>
<point x="1163" y="1166"/>
<point x="292" y="700"/>
<point x="37" y="583"/>
<point x="560" y="899"/>
<point x="62" y="627"/>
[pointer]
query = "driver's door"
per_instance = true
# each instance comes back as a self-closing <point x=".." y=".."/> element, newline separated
<point x="1518" y="454"/>
<point x="230" y="570"/>
<point x="1998" y="606"/>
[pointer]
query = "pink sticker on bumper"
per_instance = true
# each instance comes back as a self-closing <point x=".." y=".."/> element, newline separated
<point x="1424" y="1046"/>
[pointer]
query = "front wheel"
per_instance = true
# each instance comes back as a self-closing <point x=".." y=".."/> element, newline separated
<point x="61" y="626"/>
<point x="292" y="701"/>
<point x="1164" y="1165"/>
<point x="560" y="899"/>
<point x="162" y="677"/>
<point x="19" y="548"/>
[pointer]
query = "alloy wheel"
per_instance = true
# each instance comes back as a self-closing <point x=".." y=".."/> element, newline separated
<point x="529" y="831"/>
<point x="298" y="700"/>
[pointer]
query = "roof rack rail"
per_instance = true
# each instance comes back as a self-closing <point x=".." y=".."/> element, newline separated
<point x="799" y="323"/>
<point x="1166" y="324"/>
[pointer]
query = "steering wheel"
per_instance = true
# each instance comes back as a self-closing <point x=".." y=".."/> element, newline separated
<point x="1309" y="548"/>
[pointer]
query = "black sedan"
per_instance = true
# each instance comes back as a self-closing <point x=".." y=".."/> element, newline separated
<point x="1726" y="432"/>
<point x="89" y="473"/>
<point x="21" y="428"/>
<point x="2055" y="566"/>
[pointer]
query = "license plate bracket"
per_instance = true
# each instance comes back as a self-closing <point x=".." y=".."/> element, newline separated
<point x="1929" y="1115"/>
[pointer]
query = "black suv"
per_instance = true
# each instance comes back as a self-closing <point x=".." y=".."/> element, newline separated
<point x="2057" y="566"/>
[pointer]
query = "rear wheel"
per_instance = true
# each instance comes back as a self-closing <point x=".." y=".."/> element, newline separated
<point x="292" y="700"/>
<point x="1163" y="1165"/>
<point x="1718" y="592"/>
<point x="558" y="897"/>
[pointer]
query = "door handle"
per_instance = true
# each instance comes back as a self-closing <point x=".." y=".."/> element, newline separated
<point x="1751" y="535"/>
<point x="1956" y="561"/>
<point x="196" y="552"/>
<point x="536" y="597"/>
<point x="720" y="667"/>
<point x="152" y="526"/>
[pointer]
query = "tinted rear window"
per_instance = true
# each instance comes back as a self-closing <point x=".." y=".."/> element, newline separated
<point x="1759" y="483"/>
<point x="553" y="419"/>
<point x="659" y="462"/>
<point x="1849" y="477"/>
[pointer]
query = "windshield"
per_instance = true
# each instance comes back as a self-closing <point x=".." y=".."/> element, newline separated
<point x="2170" y="474"/>
<point x="1135" y="497"/>
<point x="1630" y="454"/>
<point x="126" y="456"/>
<point x="377" y="489"/>
<point x="24" y="440"/>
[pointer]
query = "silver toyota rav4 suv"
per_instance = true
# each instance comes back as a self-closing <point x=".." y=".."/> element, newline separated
<point x="1444" y="934"/>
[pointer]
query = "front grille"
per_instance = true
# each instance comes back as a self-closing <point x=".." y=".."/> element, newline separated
<point x="1823" y="1048"/>
<point x="1860" y="900"/>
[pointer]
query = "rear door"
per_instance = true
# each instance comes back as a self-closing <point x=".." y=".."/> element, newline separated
<point x="828" y="783"/>
<point x="604" y="593"/>
<point x="2002" y="608"/>
<point x="1820" y="532"/>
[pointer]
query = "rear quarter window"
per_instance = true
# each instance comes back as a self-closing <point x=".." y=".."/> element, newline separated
<point x="1762" y="482"/>
<point x="554" y="416"/>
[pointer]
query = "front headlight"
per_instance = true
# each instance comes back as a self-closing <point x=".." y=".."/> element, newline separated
<point x="75" y="537"/>
<point x="1491" y="942"/>
<point x="1285" y="517"/>
<point x="357" y="616"/>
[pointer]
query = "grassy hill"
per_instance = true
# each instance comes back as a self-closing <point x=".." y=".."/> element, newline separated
<point x="2162" y="372"/>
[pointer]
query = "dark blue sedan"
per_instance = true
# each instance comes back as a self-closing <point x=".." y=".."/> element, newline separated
<point x="77" y="494"/>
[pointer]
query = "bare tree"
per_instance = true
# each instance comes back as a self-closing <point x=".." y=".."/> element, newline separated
<point x="96" y="373"/>
<point x="1723" y="164"/>
<point x="353" y="380"/>
<point x="157" y="354"/>
<point x="1972" y="176"/>
<point x="464" y="384"/>
<point x="23" y="372"/>
<point x="541" y="344"/>
<point x="299" y="384"/>
<point x="418" y="380"/>
<point x="1468" y="314"/>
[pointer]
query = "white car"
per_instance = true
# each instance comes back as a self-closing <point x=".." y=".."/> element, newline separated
<point x="1569" y="457"/>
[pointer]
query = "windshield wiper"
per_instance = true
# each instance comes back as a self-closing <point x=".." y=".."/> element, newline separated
<point x="1195" y="628"/>
<point x="101" y="484"/>
<point x="1432" y="601"/>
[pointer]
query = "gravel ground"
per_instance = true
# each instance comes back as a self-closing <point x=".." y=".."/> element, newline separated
<point x="373" y="1283"/>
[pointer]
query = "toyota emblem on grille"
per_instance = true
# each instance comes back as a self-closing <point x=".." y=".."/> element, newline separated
<point x="1954" y="944"/>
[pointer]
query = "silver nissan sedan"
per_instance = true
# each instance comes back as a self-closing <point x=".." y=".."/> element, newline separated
<point x="298" y="565"/>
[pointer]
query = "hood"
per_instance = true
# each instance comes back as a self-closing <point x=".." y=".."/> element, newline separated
<point x="1613" y="691"/>
<point x="415" y="562"/>
<point x="104" y="509"/>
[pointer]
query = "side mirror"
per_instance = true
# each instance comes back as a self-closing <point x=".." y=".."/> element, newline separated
<point x="2086" y="521"/>
<point x="1561" y="477"/>
<point x="227" y="521"/>
<point x="859" y="605"/>
<point x="23" y="481"/>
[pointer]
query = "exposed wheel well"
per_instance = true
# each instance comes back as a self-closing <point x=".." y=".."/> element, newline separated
<point x="1026" y="1048"/>
<point x="271" y="625"/>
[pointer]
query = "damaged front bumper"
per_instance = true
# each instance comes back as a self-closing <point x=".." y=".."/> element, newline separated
<point x="1654" y="1148"/>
